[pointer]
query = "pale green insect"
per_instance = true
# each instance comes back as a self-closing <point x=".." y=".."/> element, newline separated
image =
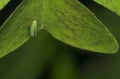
<point x="33" y="29"/>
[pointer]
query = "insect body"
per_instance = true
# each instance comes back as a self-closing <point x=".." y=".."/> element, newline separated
<point x="33" y="29"/>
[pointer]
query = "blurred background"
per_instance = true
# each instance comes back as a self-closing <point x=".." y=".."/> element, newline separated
<point x="44" y="57"/>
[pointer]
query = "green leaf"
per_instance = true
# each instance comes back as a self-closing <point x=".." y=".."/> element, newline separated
<point x="3" y="3"/>
<point x="67" y="20"/>
<point x="100" y="66"/>
<point x="73" y="24"/>
<point x="113" y="5"/>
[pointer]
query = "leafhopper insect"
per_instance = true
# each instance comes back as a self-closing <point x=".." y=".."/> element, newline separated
<point x="33" y="29"/>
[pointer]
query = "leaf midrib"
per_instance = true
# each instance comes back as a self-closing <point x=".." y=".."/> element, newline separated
<point x="43" y="14"/>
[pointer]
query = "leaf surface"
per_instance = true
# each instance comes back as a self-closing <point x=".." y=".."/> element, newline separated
<point x="66" y="20"/>
<point x="72" y="23"/>
<point x="3" y="3"/>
